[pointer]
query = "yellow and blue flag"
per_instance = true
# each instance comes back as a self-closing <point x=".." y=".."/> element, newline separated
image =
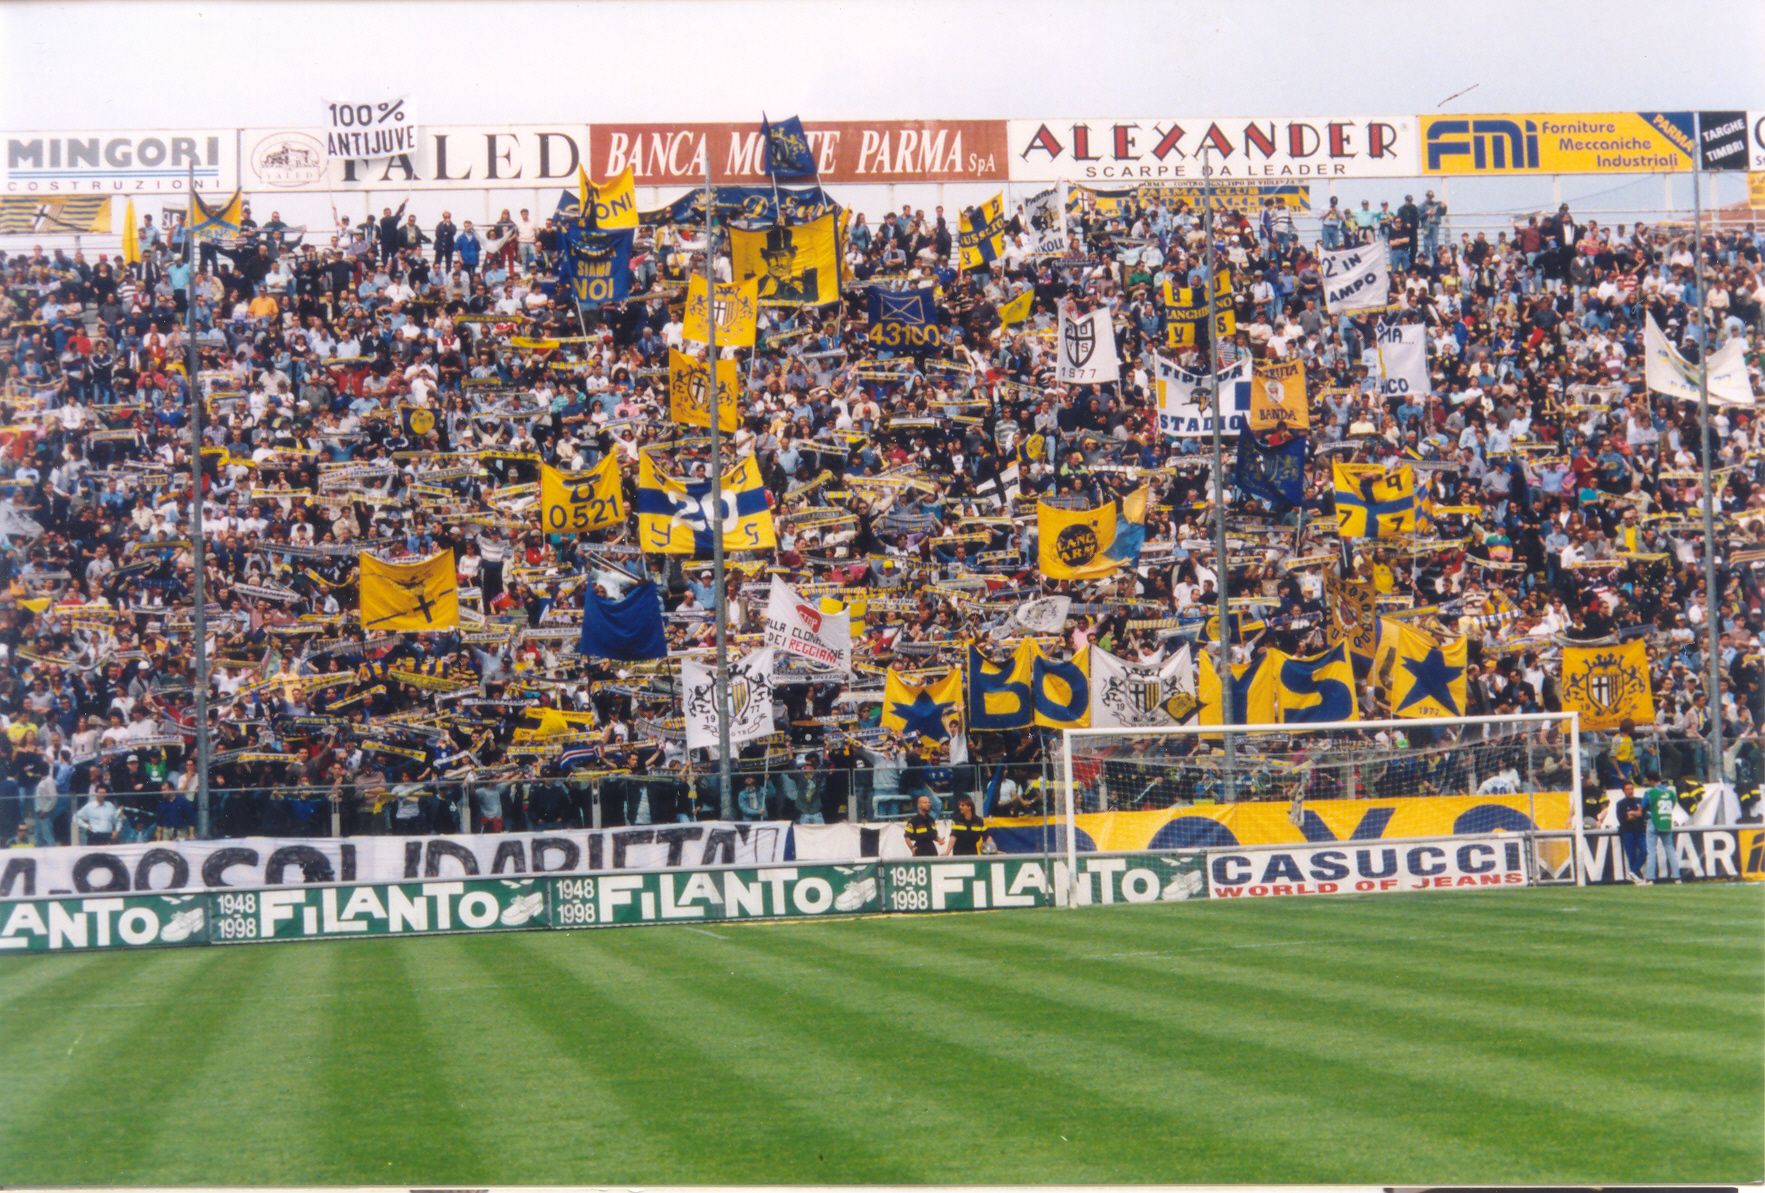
<point x="981" y="234"/>
<point x="1253" y="690"/>
<point x="1317" y="689"/>
<point x="611" y="205"/>
<point x="1420" y="676"/>
<point x="28" y="215"/>
<point x="1608" y="684"/>
<point x="420" y="595"/>
<point x="790" y="265"/>
<point x="915" y="711"/>
<point x="689" y="392"/>
<point x="216" y="221"/>
<point x="902" y="319"/>
<point x="1062" y="691"/>
<point x="736" y="306"/>
<point x="577" y="502"/>
<point x="1075" y="544"/>
<point x="674" y="517"/>
<point x="787" y="148"/>
<point x="1001" y="695"/>
<point x="1372" y="503"/>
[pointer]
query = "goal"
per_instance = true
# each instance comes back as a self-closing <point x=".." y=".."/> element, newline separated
<point x="1446" y="802"/>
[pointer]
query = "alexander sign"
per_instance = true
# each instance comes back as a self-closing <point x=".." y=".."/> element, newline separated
<point x="671" y="155"/>
<point x="1153" y="149"/>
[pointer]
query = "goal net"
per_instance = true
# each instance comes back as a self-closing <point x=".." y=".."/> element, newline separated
<point x="1259" y="788"/>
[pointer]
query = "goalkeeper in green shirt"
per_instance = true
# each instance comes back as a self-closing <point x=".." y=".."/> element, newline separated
<point x="1660" y="802"/>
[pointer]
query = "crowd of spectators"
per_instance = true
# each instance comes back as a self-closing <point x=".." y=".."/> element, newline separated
<point x="1581" y="489"/>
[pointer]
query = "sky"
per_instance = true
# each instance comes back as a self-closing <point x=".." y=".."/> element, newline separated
<point x="258" y="64"/>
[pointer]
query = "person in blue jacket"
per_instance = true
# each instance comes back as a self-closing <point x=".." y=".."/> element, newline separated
<point x="466" y="244"/>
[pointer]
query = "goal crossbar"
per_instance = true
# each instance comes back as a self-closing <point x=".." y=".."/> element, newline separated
<point x="1572" y="720"/>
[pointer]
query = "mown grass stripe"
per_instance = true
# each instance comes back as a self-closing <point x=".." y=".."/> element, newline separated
<point x="389" y="1116"/>
<point x="715" y="1116"/>
<point x="1320" y="1045"/>
<point x="125" y="1083"/>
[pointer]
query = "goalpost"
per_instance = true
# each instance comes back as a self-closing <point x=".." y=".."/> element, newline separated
<point x="1358" y="783"/>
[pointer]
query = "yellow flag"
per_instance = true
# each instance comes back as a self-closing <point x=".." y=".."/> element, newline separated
<point x="1018" y="309"/>
<point x="689" y="392"/>
<point x="930" y="711"/>
<point x="1074" y="544"/>
<point x="610" y="206"/>
<point x="791" y="265"/>
<point x="1257" y="702"/>
<point x="1419" y="676"/>
<point x="674" y="517"/>
<point x="1062" y="690"/>
<point x="1608" y="684"/>
<point x="1372" y="503"/>
<point x="1318" y="689"/>
<point x="1277" y="397"/>
<point x="576" y="502"/>
<point x="131" y="237"/>
<point x="422" y="595"/>
<point x="737" y="308"/>
<point x="1354" y="614"/>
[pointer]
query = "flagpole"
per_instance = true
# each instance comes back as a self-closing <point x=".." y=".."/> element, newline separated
<point x="1712" y="615"/>
<point x="1222" y="640"/>
<point x="198" y="555"/>
<point x="720" y="699"/>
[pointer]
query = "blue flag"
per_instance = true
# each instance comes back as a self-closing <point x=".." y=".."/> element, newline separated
<point x="595" y="267"/>
<point x="787" y="149"/>
<point x="1273" y="474"/>
<point x="902" y="318"/>
<point x="745" y="207"/>
<point x="629" y="628"/>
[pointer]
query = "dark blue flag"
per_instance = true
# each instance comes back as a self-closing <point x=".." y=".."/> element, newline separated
<point x="1274" y="474"/>
<point x="629" y="628"/>
<point x="787" y="149"/>
<point x="595" y="267"/>
<point x="902" y="318"/>
<point x="743" y="207"/>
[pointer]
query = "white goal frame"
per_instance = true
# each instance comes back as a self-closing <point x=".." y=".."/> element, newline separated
<point x="1068" y="736"/>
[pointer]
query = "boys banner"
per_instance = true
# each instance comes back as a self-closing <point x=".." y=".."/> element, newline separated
<point x="1087" y="349"/>
<point x="419" y="595"/>
<point x="750" y="700"/>
<point x="1357" y="279"/>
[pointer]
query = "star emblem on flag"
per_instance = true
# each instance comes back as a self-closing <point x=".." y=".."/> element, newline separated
<point x="923" y="718"/>
<point x="1433" y="680"/>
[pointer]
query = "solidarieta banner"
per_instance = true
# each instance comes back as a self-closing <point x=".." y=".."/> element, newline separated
<point x="257" y="862"/>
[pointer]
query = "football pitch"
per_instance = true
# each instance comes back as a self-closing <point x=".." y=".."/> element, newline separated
<point x="1564" y="1036"/>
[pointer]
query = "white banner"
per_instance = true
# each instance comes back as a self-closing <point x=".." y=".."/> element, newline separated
<point x="750" y="700"/>
<point x="1403" y="359"/>
<point x="1134" y="149"/>
<point x="471" y="157"/>
<point x="1667" y="372"/>
<point x="1367" y="868"/>
<point x="1125" y="695"/>
<point x="1044" y="216"/>
<point x="849" y="842"/>
<point x="137" y="162"/>
<point x="1087" y="349"/>
<point x="795" y="627"/>
<point x="359" y="129"/>
<point x="1357" y="279"/>
<point x="15" y="523"/>
<point x="1046" y="615"/>
<point x="1185" y="409"/>
<point x="254" y="862"/>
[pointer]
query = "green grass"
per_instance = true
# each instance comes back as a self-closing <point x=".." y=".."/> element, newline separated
<point x="1541" y="1036"/>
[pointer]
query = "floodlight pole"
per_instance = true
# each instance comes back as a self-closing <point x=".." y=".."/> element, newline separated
<point x="198" y="555"/>
<point x="720" y="700"/>
<point x="1712" y="610"/>
<point x="1223" y="639"/>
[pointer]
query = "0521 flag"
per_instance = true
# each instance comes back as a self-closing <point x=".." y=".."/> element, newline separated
<point x="577" y="502"/>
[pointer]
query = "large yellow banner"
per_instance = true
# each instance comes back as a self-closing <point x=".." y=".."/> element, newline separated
<point x="1358" y="820"/>
<point x="1561" y="143"/>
